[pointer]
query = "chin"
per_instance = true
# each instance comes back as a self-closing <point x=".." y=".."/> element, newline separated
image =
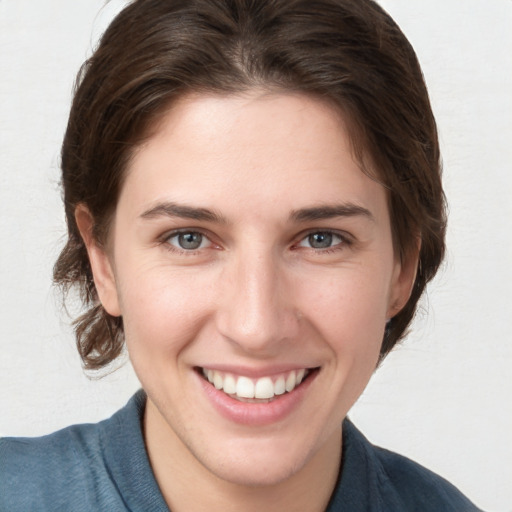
<point x="255" y="473"/>
<point x="254" y="462"/>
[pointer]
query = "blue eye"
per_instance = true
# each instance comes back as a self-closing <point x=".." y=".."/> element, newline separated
<point x="188" y="240"/>
<point x="321" y="240"/>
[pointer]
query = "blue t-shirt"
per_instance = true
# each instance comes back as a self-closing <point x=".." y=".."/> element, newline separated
<point x="104" y="467"/>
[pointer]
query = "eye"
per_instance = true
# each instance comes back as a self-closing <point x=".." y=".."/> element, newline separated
<point x="188" y="240"/>
<point x="321" y="240"/>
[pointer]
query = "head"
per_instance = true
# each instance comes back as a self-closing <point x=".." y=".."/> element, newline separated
<point x="253" y="193"/>
<point x="348" y="54"/>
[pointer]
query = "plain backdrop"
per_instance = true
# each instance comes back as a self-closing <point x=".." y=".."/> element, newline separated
<point x="443" y="398"/>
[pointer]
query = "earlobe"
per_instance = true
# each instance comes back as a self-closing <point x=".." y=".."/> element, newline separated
<point x="103" y="274"/>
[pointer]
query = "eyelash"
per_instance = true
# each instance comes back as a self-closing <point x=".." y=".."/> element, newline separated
<point x="345" y="241"/>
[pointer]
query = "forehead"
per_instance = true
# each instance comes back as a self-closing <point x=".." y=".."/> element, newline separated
<point x="254" y="147"/>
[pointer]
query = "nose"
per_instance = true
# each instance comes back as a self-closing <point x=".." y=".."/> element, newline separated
<point x="256" y="310"/>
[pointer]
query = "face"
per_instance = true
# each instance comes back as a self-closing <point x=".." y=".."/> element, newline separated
<point x="252" y="262"/>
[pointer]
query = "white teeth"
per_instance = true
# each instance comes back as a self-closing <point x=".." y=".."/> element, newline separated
<point x="290" y="382"/>
<point x="229" y="385"/>
<point x="279" y="386"/>
<point x="264" y="388"/>
<point x="218" y="381"/>
<point x="245" y="388"/>
<point x="261" y="389"/>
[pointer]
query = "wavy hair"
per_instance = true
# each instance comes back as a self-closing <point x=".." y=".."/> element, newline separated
<point x="347" y="52"/>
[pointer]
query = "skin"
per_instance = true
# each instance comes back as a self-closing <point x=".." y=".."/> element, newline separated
<point x="256" y="294"/>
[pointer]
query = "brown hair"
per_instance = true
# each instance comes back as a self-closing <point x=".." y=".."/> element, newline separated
<point x="347" y="52"/>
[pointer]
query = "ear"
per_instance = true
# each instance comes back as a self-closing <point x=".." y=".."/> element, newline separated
<point x="102" y="270"/>
<point x="404" y="276"/>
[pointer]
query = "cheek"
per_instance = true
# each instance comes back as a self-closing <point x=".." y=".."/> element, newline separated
<point x="162" y="309"/>
<point x="349" y="310"/>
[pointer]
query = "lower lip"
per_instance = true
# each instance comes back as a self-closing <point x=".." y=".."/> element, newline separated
<point x="257" y="414"/>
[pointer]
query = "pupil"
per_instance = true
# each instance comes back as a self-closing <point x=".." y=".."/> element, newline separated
<point x="320" y="240"/>
<point x="190" y="240"/>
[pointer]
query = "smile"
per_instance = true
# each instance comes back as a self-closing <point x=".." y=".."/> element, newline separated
<point x="247" y="389"/>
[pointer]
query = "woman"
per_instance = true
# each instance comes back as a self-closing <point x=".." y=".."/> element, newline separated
<point x="254" y="207"/>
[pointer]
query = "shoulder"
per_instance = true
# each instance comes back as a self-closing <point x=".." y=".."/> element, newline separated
<point x="418" y="486"/>
<point x="388" y="482"/>
<point x="45" y="470"/>
<point x="70" y="469"/>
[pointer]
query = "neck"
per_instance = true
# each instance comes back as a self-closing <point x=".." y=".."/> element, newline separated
<point x="186" y="484"/>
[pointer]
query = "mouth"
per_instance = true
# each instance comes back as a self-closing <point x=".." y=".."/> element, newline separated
<point x="256" y="390"/>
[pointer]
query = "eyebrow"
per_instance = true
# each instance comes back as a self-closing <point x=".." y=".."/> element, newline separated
<point x="170" y="209"/>
<point x="331" y="211"/>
